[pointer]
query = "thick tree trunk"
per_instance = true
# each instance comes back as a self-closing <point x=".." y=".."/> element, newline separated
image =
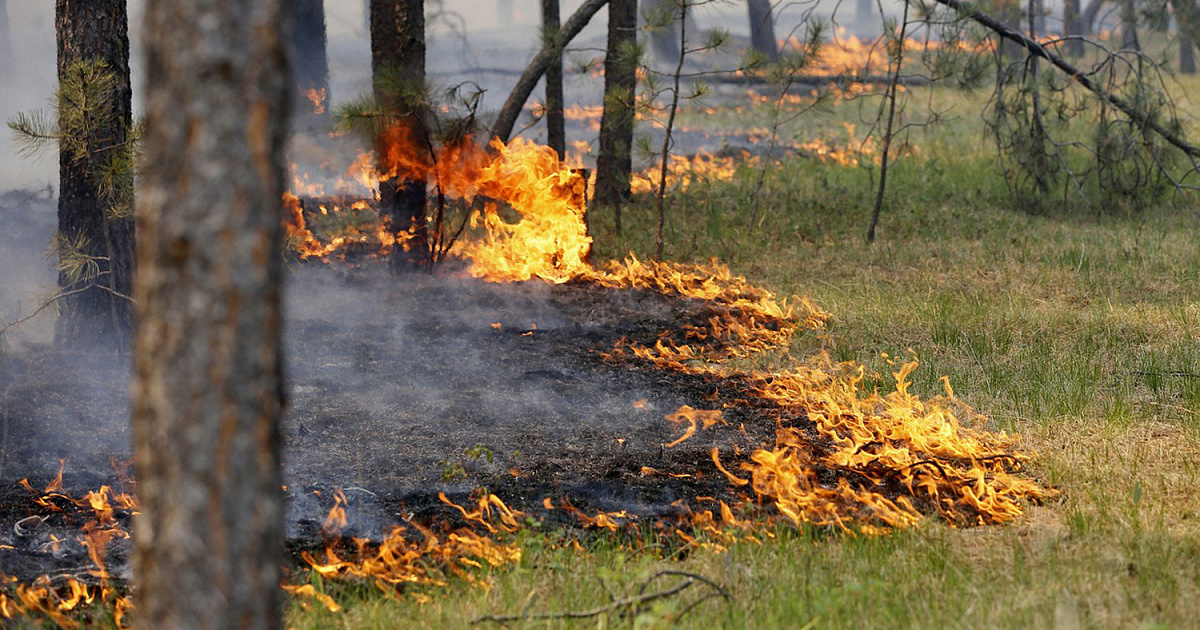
<point x="89" y="30"/>
<point x="556" y="126"/>
<point x="762" y="29"/>
<point x="1072" y="27"/>
<point x="614" y="163"/>
<point x="207" y="390"/>
<point x="310" y="65"/>
<point x="528" y="80"/>
<point x="398" y="48"/>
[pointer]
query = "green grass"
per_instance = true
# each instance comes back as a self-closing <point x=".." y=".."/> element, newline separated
<point x="1078" y="329"/>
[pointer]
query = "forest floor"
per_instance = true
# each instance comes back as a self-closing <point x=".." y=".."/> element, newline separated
<point x="1076" y="326"/>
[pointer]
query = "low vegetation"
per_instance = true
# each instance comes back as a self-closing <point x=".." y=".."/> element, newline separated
<point x="1076" y="327"/>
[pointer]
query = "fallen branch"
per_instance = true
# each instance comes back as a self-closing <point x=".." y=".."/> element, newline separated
<point x="628" y="603"/>
<point x="552" y="48"/>
<point x="1039" y="50"/>
<point x="819" y="80"/>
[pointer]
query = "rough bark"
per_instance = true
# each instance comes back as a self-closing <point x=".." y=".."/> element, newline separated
<point x="556" y="126"/>
<point x="207" y="389"/>
<point x="1073" y="28"/>
<point x="96" y="314"/>
<point x="528" y="80"/>
<point x="398" y="48"/>
<point x="762" y="29"/>
<point x="310" y="65"/>
<point x="614" y="163"/>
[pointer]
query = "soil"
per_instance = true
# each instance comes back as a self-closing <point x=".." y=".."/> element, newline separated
<point x="401" y="388"/>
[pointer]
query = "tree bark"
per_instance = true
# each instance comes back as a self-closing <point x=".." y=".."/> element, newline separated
<point x="207" y="392"/>
<point x="762" y="29"/>
<point x="95" y="30"/>
<point x="556" y="125"/>
<point x="1072" y="27"/>
<point x="528" y="80"/>
<point x="398" y="48"/>
<point x="310" y="65"/>
<point x="614" y="164"/>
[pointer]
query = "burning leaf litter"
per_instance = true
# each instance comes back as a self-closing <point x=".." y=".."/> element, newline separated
<point x="861" y="461"/>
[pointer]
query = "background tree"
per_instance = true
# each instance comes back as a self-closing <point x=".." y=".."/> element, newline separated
<point x="762" y="29"/>
<point x="310" y="64"/>
<point x="614" y="162"/>
<point x="6" y="49"/>
<point x="95" y="237"/>
<point x="1072" y="28"/>
<point x="660" y="16"/>
<point x="207" y="390"/>
<point x="398" y="74"/>
<point x="556" y="134"/>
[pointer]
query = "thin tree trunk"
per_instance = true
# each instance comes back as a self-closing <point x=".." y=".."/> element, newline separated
<point x="90" y="30"/>
<point x="1090" y="13"/>
<point x="1187" y="18"/>
<point x="7" y="63"/>
<point x="667" y="140"/>
<point x="1073" y="28"/>
<point x="511" y="110"/>
<point x="398" y="46"/>
<point x="1129" y="36"/>
<point x="897" y="64"/>
<point x="614" y="164"/>
<point x="1084" y="79"/>
<point x="207" y="391"/>
<point x="556" y="126"/>
<point x="762" y="29"/>
<point x="1187" y="55"/>
<point x="310" y="65"/>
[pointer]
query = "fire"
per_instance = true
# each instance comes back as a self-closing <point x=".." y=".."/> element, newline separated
<point x="317" y="98"/>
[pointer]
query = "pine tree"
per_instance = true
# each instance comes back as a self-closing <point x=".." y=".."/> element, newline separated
<point x="398" y="72"/>
<point x="207" y="386"/>
<point x="95" y="226"/>
<point x="614" y="163"/>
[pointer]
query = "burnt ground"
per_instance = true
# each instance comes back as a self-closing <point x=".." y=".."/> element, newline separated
<point x="398" y="389"/>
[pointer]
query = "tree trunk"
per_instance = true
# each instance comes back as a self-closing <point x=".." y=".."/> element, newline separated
<point x="511" y="110"/>
<point x="310" y="65"/>
<point x="7" y="63"/>
<point x="864" y="9"/>
<point x="556" y="126"/>
<point x="1129" y="37"/>
<point x="762" y="29"/>
<point x="1187" y="55"/>
<point x="1187" y="18"/>
<point x="614" y="163"/>
<point x="398" y="48"/>
<point x="664" y="37"/>
<point x="207" y="392"/>
<point x="1090" y="13"/>
<point x="89" y="30"/>
<point x="1073" y="28"/>
<point x="504" y="12"/>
